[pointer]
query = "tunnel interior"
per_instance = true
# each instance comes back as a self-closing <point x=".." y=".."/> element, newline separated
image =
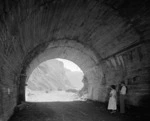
<point x="107" y="39"/>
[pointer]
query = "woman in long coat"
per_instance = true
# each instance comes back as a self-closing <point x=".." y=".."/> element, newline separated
<point x="112" y="104"/>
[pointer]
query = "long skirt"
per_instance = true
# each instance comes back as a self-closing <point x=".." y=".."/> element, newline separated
<point x="112" y="104"/>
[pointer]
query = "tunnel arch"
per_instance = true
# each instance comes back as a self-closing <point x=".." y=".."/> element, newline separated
<point x="66" y="49"/>
<point x="72" y="50"/>
<point x="114" y="28"/>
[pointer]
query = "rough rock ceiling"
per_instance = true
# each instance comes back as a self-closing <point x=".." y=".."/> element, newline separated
<point x="96" y="23"/>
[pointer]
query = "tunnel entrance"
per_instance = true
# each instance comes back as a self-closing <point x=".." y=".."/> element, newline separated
<point x="55" y="80"/>
<point x="84" y="56"/>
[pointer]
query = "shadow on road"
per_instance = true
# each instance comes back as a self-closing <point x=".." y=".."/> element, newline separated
<point x="69" y="111"/>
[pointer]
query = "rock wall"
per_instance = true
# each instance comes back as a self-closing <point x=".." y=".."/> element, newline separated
<point x="131" y="64"/>
<point x="132" y="67"/>
<point x="9" y="73"/>
<point x="49" y="75"/>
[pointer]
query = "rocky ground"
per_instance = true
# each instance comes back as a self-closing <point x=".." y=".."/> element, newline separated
<point x="73" y="111"/>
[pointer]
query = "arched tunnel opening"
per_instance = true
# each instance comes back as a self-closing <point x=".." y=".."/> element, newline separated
<point x="55" y="80"/>
<point x="108" y="39"/>
<point x="61" y="50"/>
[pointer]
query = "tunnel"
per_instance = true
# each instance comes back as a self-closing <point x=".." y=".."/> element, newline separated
<point x="107" y="39"/>
<point x="78" y="53"/>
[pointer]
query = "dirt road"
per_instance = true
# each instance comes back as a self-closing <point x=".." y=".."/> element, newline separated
<point x="69" y="111"/>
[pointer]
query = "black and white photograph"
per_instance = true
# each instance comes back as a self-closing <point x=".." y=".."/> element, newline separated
<point x="74" y="60"/>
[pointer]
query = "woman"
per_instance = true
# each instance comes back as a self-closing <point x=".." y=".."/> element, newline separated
<point x="112" y="104"/>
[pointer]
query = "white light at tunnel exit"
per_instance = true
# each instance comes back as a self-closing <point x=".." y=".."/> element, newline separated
<point x="53" y="96"/>
<point x="67" y="71"/>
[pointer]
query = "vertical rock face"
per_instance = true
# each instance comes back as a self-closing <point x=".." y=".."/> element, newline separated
<point x="132" y="67"/>
<point x="113" y="44"/>
<point x="49" y="76"/>
<point x="131" y="63"/>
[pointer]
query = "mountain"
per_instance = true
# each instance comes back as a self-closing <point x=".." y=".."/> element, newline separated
<point x="49" y="75"/>
<point x="75" y="78"/>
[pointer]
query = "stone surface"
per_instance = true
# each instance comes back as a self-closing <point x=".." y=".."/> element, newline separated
<point x="108" y="39"/>
<point x="49" y="76"/>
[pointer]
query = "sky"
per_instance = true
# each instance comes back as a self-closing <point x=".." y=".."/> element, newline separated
<point x="70" y="65"/>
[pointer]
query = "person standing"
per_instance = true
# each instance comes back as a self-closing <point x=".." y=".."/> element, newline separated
<point x="112" y="103"/>
<point x="123" y="91"/>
